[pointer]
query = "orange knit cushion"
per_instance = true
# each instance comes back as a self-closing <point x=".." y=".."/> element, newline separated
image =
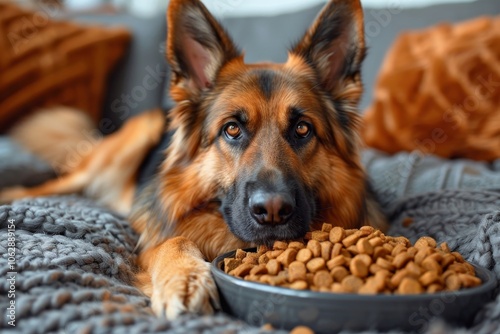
<point x="439" y="92"/>
<point x="45" y="63"/>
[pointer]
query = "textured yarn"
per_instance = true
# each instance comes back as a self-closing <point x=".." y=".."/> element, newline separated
<point x="74" y="274"/>
<point x="74" y="263"/>
<point x="469" y="221"/>
<point x="75" y="259"/>
<point x="406" y="174"/>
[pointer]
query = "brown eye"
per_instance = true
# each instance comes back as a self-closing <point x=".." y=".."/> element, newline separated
<point x="232" y="130"/>
<point x="303" y="129"/>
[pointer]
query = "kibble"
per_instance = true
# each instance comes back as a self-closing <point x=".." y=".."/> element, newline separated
<point x="297" y="271"/>
<point x="352" y="284"/>
<point x="339" y="273"/>
<point x="316" y="264"/>
<point x="273" y="267"/>
<point x="409" y="286"/>
<point x="358" y="267"/>
<point x="338" y="260"/>
<point x="326" y="250"/>
<point x="323" y="279"/>
<point x="315" y="247"/>
<point x="287" y="257"/>
<point x="337" y="234"/>
<point x="302" y="330"/>
<point x="364" y="246"/>
<point x="304" y="255"/>
<point x="363" y="261"/>
<point x="320" y="235"/>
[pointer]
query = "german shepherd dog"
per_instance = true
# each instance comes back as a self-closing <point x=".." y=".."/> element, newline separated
<point x="259" y="152"/>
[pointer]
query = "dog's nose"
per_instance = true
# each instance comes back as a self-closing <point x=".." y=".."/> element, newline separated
<point x="271" y="208"/>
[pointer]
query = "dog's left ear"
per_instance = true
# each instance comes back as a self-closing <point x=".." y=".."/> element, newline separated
<point x="335" y="47"/>
<point x="197" y="47"/>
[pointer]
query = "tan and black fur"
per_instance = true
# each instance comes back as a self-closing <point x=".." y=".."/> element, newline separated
<point x="259" y="152"/>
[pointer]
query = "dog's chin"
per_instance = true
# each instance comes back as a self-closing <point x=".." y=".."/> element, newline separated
<point x="235" y="210"/>
<point x="250" y="231"/>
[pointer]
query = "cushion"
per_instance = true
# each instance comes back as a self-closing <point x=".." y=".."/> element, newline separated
<point x="439" y="92"/>
<point x="384" y="23"/>
<point x="46" y="63"/>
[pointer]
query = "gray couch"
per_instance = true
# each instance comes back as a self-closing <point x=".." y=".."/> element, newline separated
<point x="74" y="259"/>
<point x="266" y="39"/>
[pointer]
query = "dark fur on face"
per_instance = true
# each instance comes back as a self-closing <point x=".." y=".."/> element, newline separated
<point x="266" y="152"/>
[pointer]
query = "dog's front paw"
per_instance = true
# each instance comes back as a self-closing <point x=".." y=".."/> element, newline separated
<point x="8" y="195"/>
<point x="185" y="287"/>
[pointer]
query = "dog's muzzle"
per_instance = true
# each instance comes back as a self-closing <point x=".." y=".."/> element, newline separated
<point x="271" y="208"/>
<point x="268" y="206"/>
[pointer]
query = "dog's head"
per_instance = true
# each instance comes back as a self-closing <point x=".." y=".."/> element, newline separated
<point x="276" y="144"/>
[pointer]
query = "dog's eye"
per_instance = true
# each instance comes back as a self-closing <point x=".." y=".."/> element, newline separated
<point x="303" y="129"/>
<point x="232" y="130"/>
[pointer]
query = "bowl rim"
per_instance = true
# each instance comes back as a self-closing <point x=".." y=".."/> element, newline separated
<point x="487" y="276"/>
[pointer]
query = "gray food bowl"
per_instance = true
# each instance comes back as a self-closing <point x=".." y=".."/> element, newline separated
<point x="284" y="308"/>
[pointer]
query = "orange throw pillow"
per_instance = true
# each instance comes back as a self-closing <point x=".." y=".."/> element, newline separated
<point x="45" y="63"/>
<point x="439" y="92"/>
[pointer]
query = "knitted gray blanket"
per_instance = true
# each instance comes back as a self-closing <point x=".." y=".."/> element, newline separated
<point x="73" y="273"/>
<point x="71" y="269"/>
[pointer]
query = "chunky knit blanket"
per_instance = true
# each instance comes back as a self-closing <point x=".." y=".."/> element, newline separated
<point x="71" y="269"/>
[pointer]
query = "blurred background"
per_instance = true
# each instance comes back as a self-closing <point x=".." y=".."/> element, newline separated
<point x="244" y="8"/>
<point x="264" y="29"/>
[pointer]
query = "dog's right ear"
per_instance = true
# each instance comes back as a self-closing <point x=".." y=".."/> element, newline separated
<point x="197" y="47"/>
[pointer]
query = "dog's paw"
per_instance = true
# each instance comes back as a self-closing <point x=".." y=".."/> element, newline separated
<point x="185" y="287"/>
<point x="8" y="195"/>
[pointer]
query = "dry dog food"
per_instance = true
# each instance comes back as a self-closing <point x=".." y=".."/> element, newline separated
<point x="361" y="261"/>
